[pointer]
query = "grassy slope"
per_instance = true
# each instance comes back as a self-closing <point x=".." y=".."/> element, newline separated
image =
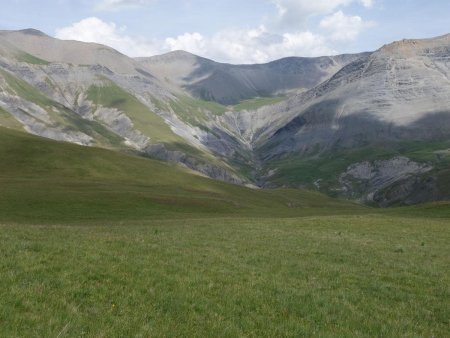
<point x="7" y="120"/>
<point x="147" y="122"/>
<point x="28" y="58"/>
<point x="46" y="181"/>
<point x="167" y="253"/>
<point x="195" y="111"/>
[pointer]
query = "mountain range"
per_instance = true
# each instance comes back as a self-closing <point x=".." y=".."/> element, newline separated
<point x="372" y="126"/>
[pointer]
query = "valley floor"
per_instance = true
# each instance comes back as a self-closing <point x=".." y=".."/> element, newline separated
<point x="363" y="275"/>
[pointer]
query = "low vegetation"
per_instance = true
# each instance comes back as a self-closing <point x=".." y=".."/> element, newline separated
<point x="91" y="184"/>
<point x="101" y="244"/>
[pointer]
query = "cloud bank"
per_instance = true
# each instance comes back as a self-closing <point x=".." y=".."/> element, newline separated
<point x="237" y="45"/>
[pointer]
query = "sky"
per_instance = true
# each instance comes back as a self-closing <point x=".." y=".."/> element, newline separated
<point x="234" y="31"/>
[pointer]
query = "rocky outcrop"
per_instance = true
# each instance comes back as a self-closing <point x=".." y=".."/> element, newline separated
<point x="217" y="172"/>
<point x="398" y="93"/>
<point x="37" y="120"/>
<point x="368" y="179"/>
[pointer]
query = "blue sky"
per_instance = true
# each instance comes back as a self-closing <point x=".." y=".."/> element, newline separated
<point x="237" y="31"/>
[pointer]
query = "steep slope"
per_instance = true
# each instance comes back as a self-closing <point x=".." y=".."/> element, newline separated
<point x="66" y="88"/>
<point x="383" y="102"/>
<point x="230" y="84"/>
<point x="399" y="92"/>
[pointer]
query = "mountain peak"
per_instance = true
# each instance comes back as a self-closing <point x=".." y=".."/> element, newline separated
<point x="176" y="55"/>
<point x="409" y="45"/>
<point x="31" y="31"/>
<point x="181" y="54"/>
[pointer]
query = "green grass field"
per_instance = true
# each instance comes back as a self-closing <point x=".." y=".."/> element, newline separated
<point x="96" y="243"/>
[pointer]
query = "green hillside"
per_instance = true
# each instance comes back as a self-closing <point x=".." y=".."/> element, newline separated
<point x="48" y="181"/>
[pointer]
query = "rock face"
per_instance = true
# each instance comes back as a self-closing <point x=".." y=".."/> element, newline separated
<point x="399" y="92"/>
<point x="369" y="178"/>
<point x="396" y="98"/>
<point x="229" y="84"/>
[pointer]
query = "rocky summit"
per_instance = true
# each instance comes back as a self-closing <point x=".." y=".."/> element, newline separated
<point x="373" y="127"/>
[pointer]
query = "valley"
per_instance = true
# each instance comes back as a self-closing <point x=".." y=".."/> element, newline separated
<point x="178" y="107"/>
<point x="98" y="242"/>
<point x="173" y="195"/>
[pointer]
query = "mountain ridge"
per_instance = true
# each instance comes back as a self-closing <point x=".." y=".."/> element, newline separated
<point x="204" y="78"/>
<point x="388" y="100"/>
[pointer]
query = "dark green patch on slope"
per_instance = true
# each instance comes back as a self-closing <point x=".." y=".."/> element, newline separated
<point x="31" y="59"/>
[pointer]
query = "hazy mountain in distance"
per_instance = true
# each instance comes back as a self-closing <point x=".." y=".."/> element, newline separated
<point x="229" y="84"/>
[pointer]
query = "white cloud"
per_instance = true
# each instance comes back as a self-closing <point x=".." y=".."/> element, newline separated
<point x="95" y="30"/>
<point x="343" y="27"/>
<point x="258" y="45"/>
<point x="192" y="42"/>
<point x="114" y="5"/>
<point x="367" y="3"/>
<point x="235" y="46"/>
<point x="251" y="45"/>
<point x="296" y="12"/>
